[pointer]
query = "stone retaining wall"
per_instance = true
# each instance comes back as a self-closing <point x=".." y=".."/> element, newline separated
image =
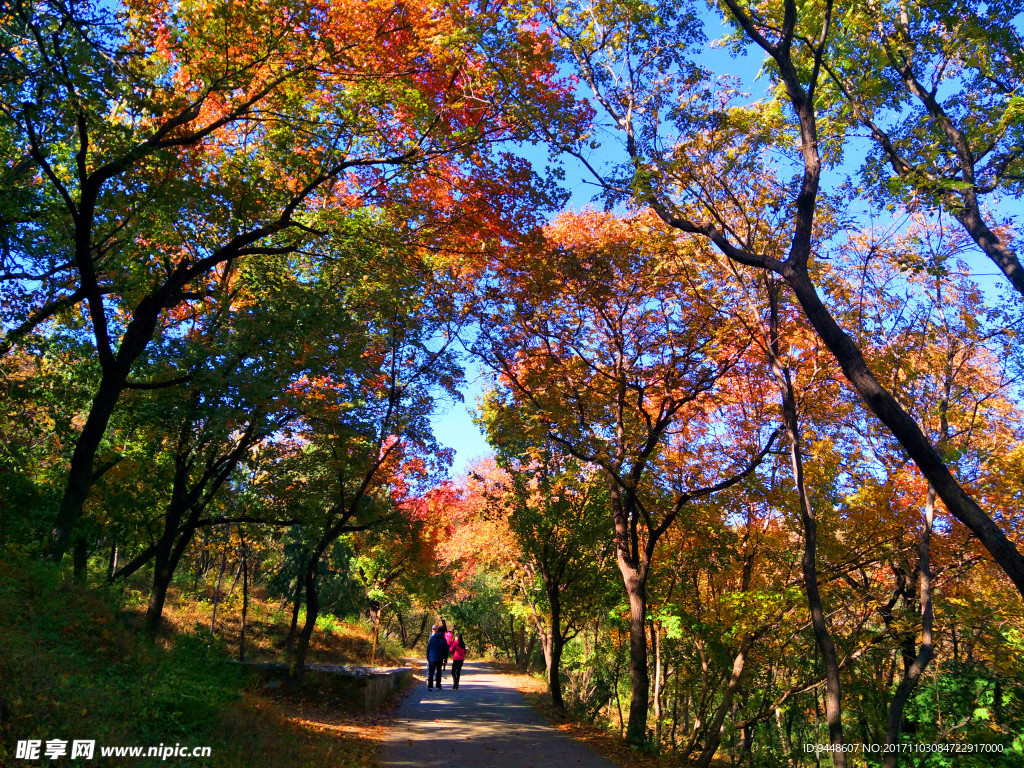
<point x="363" y="686"/>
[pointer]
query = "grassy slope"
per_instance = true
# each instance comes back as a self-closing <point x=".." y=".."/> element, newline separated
<point x="73" y="666"/>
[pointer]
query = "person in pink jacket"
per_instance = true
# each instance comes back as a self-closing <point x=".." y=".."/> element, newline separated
<point x="457" y="647"/>
<point x="447" y="639"/>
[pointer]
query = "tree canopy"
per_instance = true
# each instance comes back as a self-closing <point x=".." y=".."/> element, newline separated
<point x="754" y="407"/>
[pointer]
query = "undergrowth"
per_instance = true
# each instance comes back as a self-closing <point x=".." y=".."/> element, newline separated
<point x="74" y="666"/>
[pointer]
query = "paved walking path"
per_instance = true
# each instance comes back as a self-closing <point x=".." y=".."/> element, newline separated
<point x="487" y="723"/>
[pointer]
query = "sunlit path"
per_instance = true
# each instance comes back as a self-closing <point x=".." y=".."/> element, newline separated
<point x="486" y="723"/>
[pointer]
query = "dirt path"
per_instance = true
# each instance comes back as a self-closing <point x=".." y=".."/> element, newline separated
<point x="487" y="723"/>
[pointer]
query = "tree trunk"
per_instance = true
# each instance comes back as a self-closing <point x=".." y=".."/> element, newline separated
<point x="80" y="472"/>
<point x="555" y="643"/>
<point x="168" y="551"/>
<point x="833" y="696"/>
<point x="640" y="684"/>
<point x="312" y="612"/>
<point x="112" y="563"/>
<point x="163" y="560"/>
<point x="81" y="559"/>
<point x="293" y="627"/>
<point x="220" y="579"/>
<point x="787" y="745"/>
<point x="656" y="642"/>
<point x="162" y="573"/>
<point x="403" y="634"/>
<point x="245" y="605"/>
<point x="375" y="612"/>
<point x="528" y="650"/>
<point x="913" y="672"/>
<point x="234" y="581"/>
<point x="715" y="731"/>
<point x="675" y="707"/>
<point x="423" y="628"/>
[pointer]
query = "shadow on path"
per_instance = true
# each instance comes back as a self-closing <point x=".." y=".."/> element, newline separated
<point x="487" y="723"/>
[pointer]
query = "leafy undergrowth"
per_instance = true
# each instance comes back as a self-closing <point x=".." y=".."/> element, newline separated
<point x="266" y="630"/>
<point x="608" y="745"/>
<point x="72" y="667"/>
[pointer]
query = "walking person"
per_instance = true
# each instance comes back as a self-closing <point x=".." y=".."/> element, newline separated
<point x="437" y="654"/>
<point x="448" y="635"/>
<point x="447" y="639"/>
<point x="458" y="651"/>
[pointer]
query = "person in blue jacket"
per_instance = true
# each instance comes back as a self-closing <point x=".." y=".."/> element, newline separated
<point x="437" y="654"/>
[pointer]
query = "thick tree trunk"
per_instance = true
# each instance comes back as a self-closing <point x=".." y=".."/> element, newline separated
<point x="80" y="473"/>
<point x="551" y="643"/>
<point x="640" y="684"/>
<point x="168" y="552"/>
<point x="309" y="578"/>
<point x="162" y="573"/>
<point x="554" y="679"/>
<point x="555" y="643"/>
<point x="163" y="550"/>
<point x="81" y="559"/>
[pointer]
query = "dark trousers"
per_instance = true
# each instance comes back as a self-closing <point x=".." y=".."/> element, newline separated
<point x="434" y="672"/>
<point x="456" y="672"/>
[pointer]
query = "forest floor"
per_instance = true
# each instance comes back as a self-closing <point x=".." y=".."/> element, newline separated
<point x="75" y="665"/>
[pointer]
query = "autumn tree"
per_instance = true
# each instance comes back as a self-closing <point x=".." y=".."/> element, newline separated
<point x="210" y="429"/>
<point x="398" y="561"/>
<point x="556" y="510"/>
<point x="619" y="344"/>
<point x="951" y="356"/>
<point x="151" y="146"/>
<point x="485" y="564"/>
<point x="711" y="167"/>
<point x="366" y="438"/>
